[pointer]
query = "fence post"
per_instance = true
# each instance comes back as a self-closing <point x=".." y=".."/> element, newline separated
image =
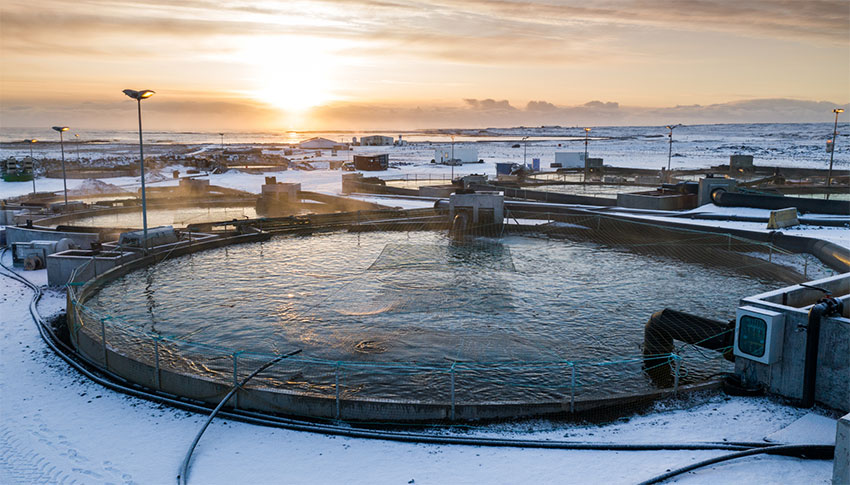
<point x="452" y="372"/>
<point x="156" y="362"/>
<point x="572" y="387"/>
<point x="236" y="379"/>
<point x="103" y="342"/>
<point x="677" y="364"/>
<point x="806" y="267"/>
<point x="336" y="387"/>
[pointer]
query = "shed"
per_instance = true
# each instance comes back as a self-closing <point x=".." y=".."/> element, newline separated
<point x="318" y="143"/>
<point x="374" y="162"/>
<point x="376" y="140"/>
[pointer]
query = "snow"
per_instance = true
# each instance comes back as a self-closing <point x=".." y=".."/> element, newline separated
<point x="57" y="427"/>
<point x="837" y="235"/>
<point x="811" y="428"/>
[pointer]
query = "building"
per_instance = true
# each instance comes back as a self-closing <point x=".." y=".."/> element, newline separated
<point x="462" y="154"/>
<point x="376" y="140"/>
<point x="569" y="160"/>
<point x="372" y="162"/>
<point x="317" y="143"/>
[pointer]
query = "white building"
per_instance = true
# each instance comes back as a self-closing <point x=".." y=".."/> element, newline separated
<point x="317" y="143"/>
<point x="376" y="140"/>
<point x="570" y="159"/>
<point x="465" y="154"/>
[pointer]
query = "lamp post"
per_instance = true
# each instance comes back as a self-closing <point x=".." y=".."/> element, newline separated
<point x="77" y="138"/>
<point x="32" y="141"/>
<point x="452" y="161"/>
<point x="586" y="134"/>
<point x="524" y="148"/>
<point x="222" y="140"/>
<point x="61" y="129"/>
<point x="139" y="96"/>
<point x="832" y="149"/>
<point x="670" y="151"/>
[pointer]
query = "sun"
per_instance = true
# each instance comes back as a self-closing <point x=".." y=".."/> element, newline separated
<point x="292" y="73"/>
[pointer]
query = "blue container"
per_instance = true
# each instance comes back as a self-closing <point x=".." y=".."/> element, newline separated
<point x="503" y="168"/>
<point x="535" y="164"/>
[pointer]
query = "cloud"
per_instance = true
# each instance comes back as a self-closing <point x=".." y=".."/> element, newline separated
<point x="474" y="31"/>
<point x="236" y="114"/>
<point x="489" y="104"/>
<point x="593" y="113"/>
<point x="600" y="105"/>
<point x="542" y="106"/>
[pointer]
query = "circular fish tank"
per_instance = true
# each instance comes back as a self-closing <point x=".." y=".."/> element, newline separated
<point x="417" y="317"/>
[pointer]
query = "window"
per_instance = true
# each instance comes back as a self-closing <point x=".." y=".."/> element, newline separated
<point x="752" y="334"/>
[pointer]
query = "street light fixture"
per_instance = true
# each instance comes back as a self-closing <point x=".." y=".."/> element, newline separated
<point x="837" y="111"/>
<point x="670" y="151"/>
<point x="77" y="138"/>
<point x="62" y="129"/>
<point x="32" y="141"/>
<point x="222" y="140"/>
<point x="139" y="96"/>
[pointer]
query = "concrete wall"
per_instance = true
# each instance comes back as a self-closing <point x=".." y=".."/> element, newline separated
<point x="841" y="463"/>
<point x="61" y="265"/>
<point x="138" y="365"/>
<point x="785" y="377"/>
<point x="653" y="201"/>
<point x="22" y="234"/>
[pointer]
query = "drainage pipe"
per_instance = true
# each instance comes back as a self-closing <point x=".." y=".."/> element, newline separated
<point x="806" y="221"/>
<point x="826" y="307"/>
<point x="820" y="206"/>
<point x="666" y="325"/>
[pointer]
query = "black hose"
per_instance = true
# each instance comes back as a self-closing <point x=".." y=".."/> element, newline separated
<point x="297" y="425"/>
<point x="183" y="477"/>
<point x="824" y="308"/>
<point x="815" y="452"/>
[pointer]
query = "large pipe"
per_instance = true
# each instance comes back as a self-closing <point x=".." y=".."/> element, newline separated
<point x="824" y="308"/>
<point x="773" y="202"/>
<point x="547" y="196"/>
<point x="668" y="325"/>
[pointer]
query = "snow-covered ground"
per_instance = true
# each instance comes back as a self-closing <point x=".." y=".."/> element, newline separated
<point x="57" y="427"/>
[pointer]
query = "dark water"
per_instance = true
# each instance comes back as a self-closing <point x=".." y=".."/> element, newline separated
<point x="422" y="302"/>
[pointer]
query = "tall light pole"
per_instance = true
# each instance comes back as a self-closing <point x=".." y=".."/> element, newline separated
<point x="222" y="140"/>
<point x="61" y="129"/>
<point x="452" y="161"/>
<point x="77" y="138"/>
<point x="586" y="133"/>
<point x="670" y="151"/>
<point x="832" y="150"/>
<point x="139" y="96"/>
<point x="524" y="148"/>
<point x="32" y="159"/>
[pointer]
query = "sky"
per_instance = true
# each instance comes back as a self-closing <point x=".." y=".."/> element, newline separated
<point x="408" y="64"/>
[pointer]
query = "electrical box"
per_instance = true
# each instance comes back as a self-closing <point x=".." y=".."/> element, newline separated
<point x="759" y="334"/>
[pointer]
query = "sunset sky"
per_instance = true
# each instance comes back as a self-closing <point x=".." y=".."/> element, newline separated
<point x="265" y="65"/>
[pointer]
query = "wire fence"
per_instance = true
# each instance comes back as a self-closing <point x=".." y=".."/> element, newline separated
<point x="128" y="349"/>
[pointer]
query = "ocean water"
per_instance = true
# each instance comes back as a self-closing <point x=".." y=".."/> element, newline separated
<point x="789" y="144"/>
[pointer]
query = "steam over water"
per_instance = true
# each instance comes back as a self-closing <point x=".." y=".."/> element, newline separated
<point x="421" y="298"/>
